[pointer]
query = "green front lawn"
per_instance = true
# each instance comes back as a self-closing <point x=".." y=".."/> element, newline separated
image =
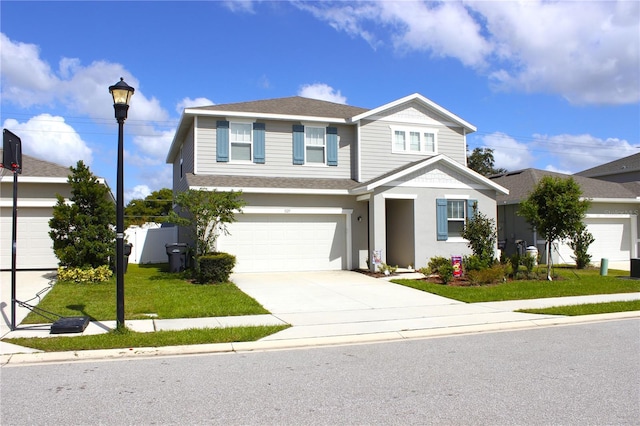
<point x="149" y="291"/>
<point x="570" y="282"/>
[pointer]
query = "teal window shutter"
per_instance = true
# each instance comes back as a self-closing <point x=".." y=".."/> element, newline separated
<point x="298" y="144"/>
<point x="441" y="219"/>
<point x="258" y="143"/>
<point x="332" y="146"/>
<point x="470" y="205"/>
<point x="222" y="141"/>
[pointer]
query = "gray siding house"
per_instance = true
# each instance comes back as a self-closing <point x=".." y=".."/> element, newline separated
<point x="612" y="217"/>
<point x="331" y="186"/>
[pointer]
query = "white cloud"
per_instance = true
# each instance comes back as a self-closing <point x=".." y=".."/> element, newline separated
<point x="574" y="153"/>
<point x="137" y="192"/>
<point x="152" y="147"/>
<point x="49" y="138"/>
<point x="323" y="92"/>
<point x="188" y="103"/>
<point x="19" y="86"/>
<point x="587" y="52"/>
<point x="508" y="153"/>
<point x="27" y="80"/>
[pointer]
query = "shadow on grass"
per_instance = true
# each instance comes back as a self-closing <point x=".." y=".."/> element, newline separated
<point x="81" y="310"/>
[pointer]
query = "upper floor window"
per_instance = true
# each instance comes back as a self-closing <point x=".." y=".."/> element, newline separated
<point x="240" y="140"/>
<point x="407" y="140"/>
<point x="314" y="145"/>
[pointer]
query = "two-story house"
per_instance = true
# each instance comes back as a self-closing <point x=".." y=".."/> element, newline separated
<point x="331" y="186"/>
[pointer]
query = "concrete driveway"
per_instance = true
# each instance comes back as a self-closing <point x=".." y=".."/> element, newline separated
<point x="337" y="303"/>
<point x="31" y="286"/>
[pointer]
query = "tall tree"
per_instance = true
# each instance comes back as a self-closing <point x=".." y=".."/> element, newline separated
<point x="555" y="209"/>
<point x="153" y="208"/>
<point x="481" y="160"/>
<point x="206" y="214"/>
<point x="82" y="230"/>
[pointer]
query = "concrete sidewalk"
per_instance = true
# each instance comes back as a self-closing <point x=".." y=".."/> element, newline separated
<point x="332" y="308"/>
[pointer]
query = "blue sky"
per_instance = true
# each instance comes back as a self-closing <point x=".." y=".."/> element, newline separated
<point x="551" y="85"/>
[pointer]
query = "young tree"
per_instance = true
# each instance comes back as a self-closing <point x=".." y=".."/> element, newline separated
<point x="482" y="235"/>
<point x="579" y="243"/>
<point x="207" y="214"/>
<point x="82" y="231"/>
<point x="154" y="208"/>
<point x="481" y="160"/>
<point x="554" y="208"/>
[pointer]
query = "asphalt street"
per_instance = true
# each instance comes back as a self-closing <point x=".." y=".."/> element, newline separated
<point x="573" y="375"/>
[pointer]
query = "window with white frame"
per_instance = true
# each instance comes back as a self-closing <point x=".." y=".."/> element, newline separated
<point x="410" y="140"/>
<point x="456" y="215"/>
<point x="240" y="141"/>
<point x="314" y="144"/>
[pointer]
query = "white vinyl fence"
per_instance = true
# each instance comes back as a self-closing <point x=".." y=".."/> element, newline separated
<point x="149" y="243"/>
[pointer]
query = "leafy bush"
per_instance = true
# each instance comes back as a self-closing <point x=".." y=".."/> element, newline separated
<point x="85" y="275"/>
<point x="492" y="275"/>
<point x="446" y="273"/>
<point x="437" y="262"/>
<point x="384" y="267"/>
<point x="473" y="263"/>
<point x="215" y="267"/>
<point x="515" y="261"/>
<point x="442" y="267"/>
<point x="481" y="233"/>
<point x="529" y="261"/>
<point x="580" y="243"/>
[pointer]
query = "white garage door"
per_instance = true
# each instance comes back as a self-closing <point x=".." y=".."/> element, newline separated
<point x="286" y="242"/>
<point x="612" y="240"/>
<point x="34" y="249"/>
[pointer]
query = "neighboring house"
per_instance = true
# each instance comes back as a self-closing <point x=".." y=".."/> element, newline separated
<point x="328" y="185"/>
<point x="38" y="185"/>
<point x="626" y="169"/>
<point x="612" y="217"/>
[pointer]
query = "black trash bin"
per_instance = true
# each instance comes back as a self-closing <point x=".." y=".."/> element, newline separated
<point x="127" y="252"/>
<point x="177" y="253"/>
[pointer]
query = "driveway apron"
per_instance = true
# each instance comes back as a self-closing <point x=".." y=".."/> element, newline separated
<point x="331" y="303"/>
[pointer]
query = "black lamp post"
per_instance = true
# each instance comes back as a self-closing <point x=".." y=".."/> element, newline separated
<point x="121" y="93"/>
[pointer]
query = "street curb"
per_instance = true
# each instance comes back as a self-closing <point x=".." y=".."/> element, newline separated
<point x="24" y="359"/>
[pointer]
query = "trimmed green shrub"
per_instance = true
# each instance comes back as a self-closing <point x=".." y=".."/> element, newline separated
<point x="85" y="275"/>
<point x="437" y="262"/>
<point x="215" y="267"/>
<point x="492" y="275"/>
<point x="473" y="263"/>
<point x="446" y="273"/>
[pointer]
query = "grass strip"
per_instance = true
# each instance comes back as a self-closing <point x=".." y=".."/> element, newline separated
<point x="587" y="308"/>
<point x="126" y="338"/>
<point x="570" y="282"/>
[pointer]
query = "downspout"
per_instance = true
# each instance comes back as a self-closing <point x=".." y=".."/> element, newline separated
<point x="195" y="145"/>
<point x="464" y="137"/>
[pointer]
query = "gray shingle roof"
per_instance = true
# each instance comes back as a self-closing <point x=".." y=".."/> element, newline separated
<point x="226" y="181"/>
<point x="295" y="105"/>
<point x="623" y="165"/>
<point x="522" y="182"/>
<point x="34" y="167"/>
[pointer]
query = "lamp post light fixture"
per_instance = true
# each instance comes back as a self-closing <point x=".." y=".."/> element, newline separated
<point x="121" y="93"/>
